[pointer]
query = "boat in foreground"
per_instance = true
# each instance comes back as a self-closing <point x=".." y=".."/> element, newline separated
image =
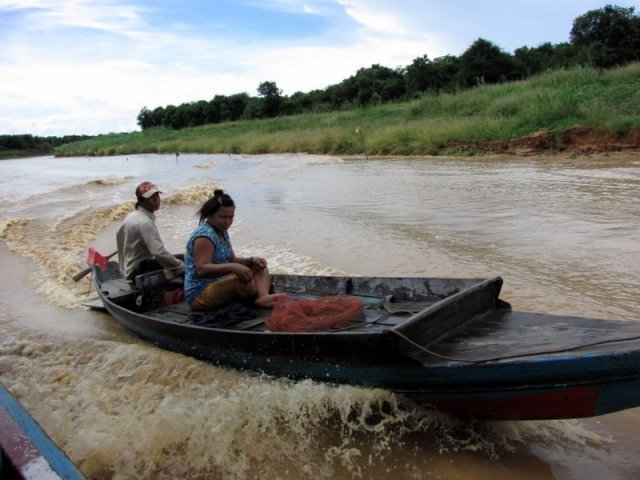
<point x="450" y="344"/>
<point x="26" y="452"/>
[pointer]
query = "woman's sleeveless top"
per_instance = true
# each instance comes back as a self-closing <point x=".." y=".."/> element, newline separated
<point x="193" y="284"/>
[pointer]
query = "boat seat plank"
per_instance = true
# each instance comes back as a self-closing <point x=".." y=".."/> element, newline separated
<point x="117" y="289"/>
<point x="504" y="332"/>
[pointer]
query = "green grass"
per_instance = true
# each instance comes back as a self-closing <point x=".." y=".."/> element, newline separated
<point x="434" y="124"/>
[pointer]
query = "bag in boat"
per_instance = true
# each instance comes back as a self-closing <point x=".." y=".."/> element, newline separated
<point x="291" y="315"/>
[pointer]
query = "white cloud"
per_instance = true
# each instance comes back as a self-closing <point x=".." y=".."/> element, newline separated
<point x="312" y="7"/>
<point x="88" y="66"/>
<point x="370" y="16"/>
<point x="101" y="77"/>
<point x="106" y="15"/>
<point x="102" y="96"/>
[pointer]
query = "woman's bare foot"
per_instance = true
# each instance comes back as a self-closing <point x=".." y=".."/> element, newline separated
<point x="267" y="301"/>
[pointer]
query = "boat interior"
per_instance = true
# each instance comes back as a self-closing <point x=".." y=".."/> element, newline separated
<point x="388" y="302"/>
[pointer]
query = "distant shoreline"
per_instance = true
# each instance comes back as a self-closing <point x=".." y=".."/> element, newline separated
<point x="579" y="111"/>
<point x="575" y="141"/>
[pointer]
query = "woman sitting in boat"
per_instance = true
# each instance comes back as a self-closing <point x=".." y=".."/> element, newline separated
<point x="214" y="275"/>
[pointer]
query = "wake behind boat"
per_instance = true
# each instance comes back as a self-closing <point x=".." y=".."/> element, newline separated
<point x="451" y="344"/>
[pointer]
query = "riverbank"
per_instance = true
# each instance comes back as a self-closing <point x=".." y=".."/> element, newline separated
<point x="572" y="141"/>
<point x="579" y="111"/>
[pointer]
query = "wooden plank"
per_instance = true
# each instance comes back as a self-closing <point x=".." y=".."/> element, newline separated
<point x="506" y="333"/>
<point x="450" y="313"/>
<point x="117" y="290"/>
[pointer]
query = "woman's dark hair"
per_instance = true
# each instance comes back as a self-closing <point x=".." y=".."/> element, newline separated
<point x="211" y="206"/>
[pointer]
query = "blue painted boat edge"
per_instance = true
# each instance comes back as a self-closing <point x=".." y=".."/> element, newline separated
<point x="618" y="396"/>
<point x="554" y="401"/>
<point x="602" y="369"/>
<point x="56" y="458"/>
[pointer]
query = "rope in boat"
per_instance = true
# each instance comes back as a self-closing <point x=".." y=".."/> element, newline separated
<point x="506" y="357"/>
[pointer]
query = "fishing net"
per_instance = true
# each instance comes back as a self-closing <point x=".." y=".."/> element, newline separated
<point x="291" y="315"/>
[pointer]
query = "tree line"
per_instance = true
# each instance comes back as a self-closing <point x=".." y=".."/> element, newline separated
<point x="28" y="145"/>
<point x="602" y="38"/>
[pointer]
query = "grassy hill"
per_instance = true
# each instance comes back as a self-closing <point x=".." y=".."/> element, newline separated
<point x="581" y="108"/>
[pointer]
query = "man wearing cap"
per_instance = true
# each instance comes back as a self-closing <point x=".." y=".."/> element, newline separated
<point x="140" y="248"/>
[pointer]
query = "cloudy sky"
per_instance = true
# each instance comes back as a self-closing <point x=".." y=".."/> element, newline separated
<point x="89" y="66"/>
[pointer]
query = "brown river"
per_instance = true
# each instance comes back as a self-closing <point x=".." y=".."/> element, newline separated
<point x="564" y="233"/>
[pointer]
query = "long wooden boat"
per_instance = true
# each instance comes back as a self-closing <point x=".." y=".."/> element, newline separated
<point x="26" y="451"/>
<point x="452" y="344"/>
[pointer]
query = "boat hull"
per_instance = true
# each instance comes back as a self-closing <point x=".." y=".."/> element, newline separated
<point x="482" y="380"/>
<point x="26" y="452"/>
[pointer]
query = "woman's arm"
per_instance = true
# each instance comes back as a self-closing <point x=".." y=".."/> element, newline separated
<point x="255" y="263"/>
<point x="203" y="251"/>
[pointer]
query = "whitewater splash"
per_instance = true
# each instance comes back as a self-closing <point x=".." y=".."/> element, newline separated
<point x="59" y="246"/>
<point x="134" y="411"/>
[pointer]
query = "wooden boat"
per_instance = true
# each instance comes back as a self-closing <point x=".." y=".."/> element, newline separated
<point x="452" y="344"/>
<point x="26" y="452"/>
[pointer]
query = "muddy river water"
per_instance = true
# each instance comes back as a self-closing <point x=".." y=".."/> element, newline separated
<point x="564" y="233"/>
